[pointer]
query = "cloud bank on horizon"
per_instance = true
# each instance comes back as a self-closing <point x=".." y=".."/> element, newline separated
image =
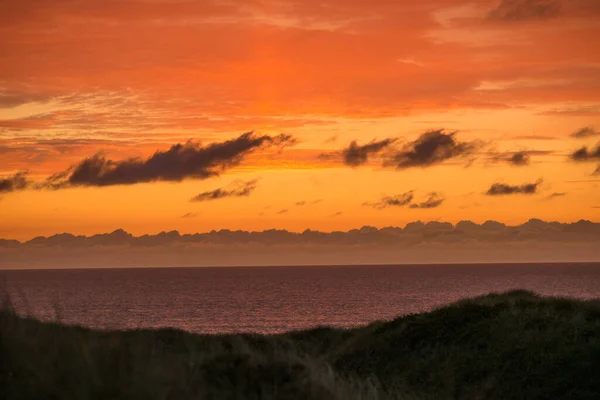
<point x="420" y="242"/>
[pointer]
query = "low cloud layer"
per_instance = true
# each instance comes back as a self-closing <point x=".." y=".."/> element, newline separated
<point x="585" y="133"/>
<point x="355" y="154"/>
<point x="181" y="161"/>
<point x="14" y="182"/>
<point x="500" y="189"/>
<point x="432" y="147"/>
<point x="523" y="10"/>
<point x="239" y="189"/>
<point x="434" y="231"/>
<point x="417" y="242"/>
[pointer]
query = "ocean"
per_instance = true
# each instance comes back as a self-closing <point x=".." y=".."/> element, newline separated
<point x="274" y="299"/>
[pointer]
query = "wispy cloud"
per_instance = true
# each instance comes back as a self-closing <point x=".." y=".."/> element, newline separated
<point x="434" y="200"/>
<point x="306" y="203"/>
<point x="399" y="200"/>
<point x="500" y="189"/>
<point x="533" y="137"/>
<point x="523" y="10"/>
<point x="518" y="158"/>
<point x="556" y="194"/>
<point x="575" y="111"/>
<point x="238" y="189"/>
<point x="406" y="199"/>
<point x="13" y="98"/>
<point x="189" y="215"/>
<point x="585" y="133"/>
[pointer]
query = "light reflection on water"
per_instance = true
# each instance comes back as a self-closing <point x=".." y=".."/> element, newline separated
<point x="275" y="299"/>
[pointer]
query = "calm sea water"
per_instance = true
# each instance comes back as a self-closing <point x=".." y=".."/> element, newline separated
<point x="274" y="299"/>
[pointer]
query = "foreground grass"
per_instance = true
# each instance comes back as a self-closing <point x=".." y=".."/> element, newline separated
<point x="513" y="345"/>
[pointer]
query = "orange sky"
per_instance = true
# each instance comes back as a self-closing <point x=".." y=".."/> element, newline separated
<point x="129" y="78"/>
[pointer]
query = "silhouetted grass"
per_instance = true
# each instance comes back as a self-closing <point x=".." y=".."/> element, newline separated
<point x="513" y="345"/>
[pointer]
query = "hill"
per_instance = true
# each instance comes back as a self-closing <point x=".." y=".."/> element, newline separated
<point x="513" y="345"/>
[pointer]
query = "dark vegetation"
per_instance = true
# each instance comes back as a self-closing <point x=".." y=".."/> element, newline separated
<point x="514" y="345"/>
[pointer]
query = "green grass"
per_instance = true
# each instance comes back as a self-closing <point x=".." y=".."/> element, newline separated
<point x="514" y="345"/>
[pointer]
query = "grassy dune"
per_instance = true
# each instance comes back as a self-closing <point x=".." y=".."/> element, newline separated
<point x="514" y="345"/>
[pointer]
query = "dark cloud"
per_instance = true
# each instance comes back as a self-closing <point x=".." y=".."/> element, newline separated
<point x="556" y="194"/>
<point x="399" y="200"/>
<point x="499" y="189"/>
<point x="519" y="159"/>
<point x="14" y="182"/>
<point x="301" y="203"/>
<point x="434" y="200"/>
<point x="433" y="231"/>
<point x="239" y="189"/>
<point x="355" y="154"/>
<point x="585" y="133"/>
<point x="583" y="154"/>
<point x="181" y="161"/>
<point x="337" y="214"/>
<point x="431" y="148"/>
<point x="284" y="211"/>
<point x="523" y="10"/>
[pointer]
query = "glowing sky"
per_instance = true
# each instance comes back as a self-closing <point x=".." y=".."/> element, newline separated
<point x="459" y="110"/>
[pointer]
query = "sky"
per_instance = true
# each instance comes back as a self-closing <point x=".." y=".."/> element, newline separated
<point x="160" y="115"/>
